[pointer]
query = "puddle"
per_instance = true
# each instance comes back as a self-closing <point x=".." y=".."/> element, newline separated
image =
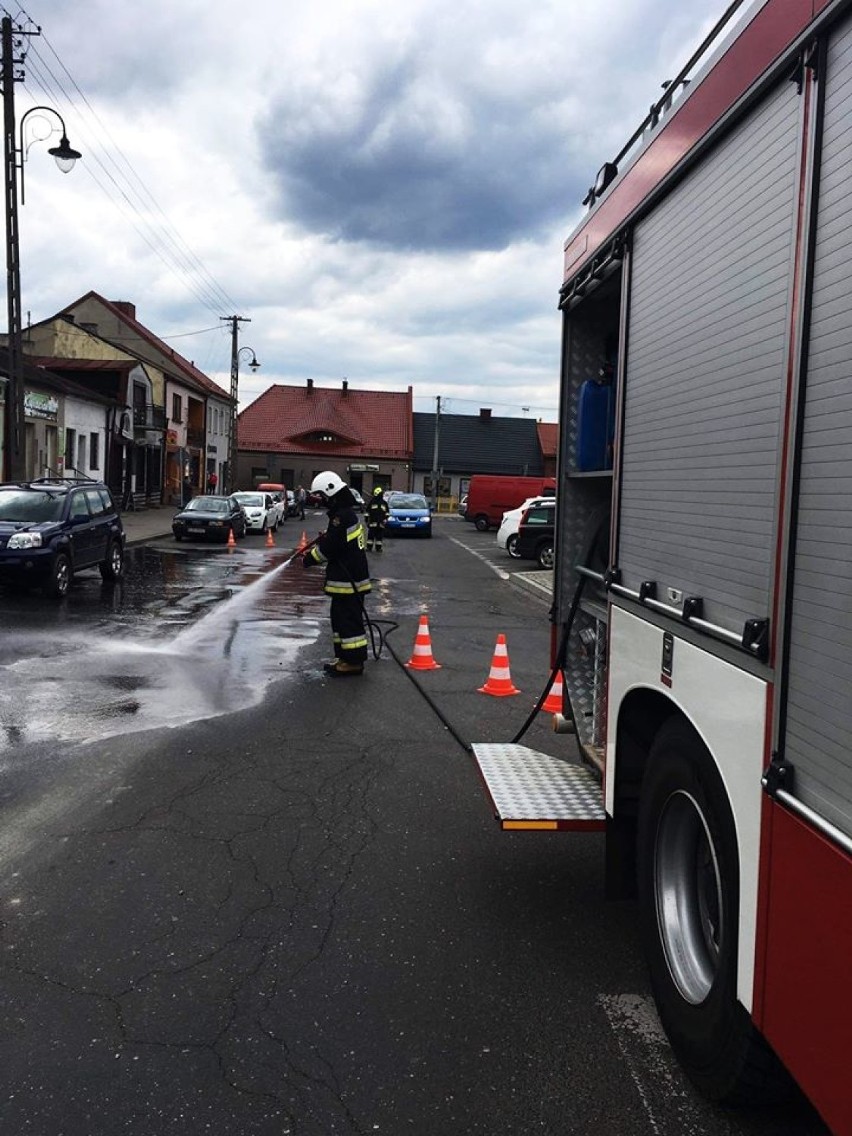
<point x="209" y="642"/>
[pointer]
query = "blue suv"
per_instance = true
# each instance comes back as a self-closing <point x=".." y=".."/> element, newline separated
<point x="51" y="528"/>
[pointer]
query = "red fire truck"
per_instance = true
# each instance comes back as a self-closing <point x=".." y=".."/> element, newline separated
<point x="703" y="588"/>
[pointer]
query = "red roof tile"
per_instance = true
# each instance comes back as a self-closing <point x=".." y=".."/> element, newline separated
<point x="283" y="418"/>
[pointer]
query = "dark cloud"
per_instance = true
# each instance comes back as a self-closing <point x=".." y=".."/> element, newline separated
<point x="475" y="171"/>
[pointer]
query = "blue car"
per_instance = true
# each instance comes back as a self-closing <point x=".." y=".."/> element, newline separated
<point x="409" y="512"/>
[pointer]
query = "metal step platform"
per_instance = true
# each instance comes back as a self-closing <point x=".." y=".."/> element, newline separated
<point x="534" y="792"/>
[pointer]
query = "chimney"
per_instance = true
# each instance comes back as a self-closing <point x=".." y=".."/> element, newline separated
<point x="484" y="414"/>
<point x="126" y="308"/>
<point x="345" y="385"/>
<point x="310" y="385"/>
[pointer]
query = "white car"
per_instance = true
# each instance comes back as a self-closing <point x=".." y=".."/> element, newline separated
<point x="279" y="501"/>
<point x="507" y="534"/>
<point x="260" y="510"/>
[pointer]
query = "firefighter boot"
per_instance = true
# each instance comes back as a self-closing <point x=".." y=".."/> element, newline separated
<point x="341" y="668"/>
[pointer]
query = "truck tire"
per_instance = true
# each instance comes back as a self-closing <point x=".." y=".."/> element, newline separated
<point x="688" y="878"/>
<point x="481" y="523"/>
<point x="59" y="580"/>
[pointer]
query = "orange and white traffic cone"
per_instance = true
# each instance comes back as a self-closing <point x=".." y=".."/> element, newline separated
<point x="232" y="543"/>
<point x="553" y="703"/>
<point x="422" y="659"/>
<point x="499" y="681"/>
<point x="270" y="539"/>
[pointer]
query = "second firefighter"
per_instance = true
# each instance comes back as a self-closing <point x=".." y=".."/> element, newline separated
<point x="377" y="514"/>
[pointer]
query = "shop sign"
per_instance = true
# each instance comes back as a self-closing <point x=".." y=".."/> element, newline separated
<point x="38" y="405"/>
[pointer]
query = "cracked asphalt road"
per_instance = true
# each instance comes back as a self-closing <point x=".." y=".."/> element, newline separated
<point x="301" y="919"/>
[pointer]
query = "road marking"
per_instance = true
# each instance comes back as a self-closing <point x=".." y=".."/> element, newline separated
<point x="651" y="1064"/>
<point x="499" y="571"/>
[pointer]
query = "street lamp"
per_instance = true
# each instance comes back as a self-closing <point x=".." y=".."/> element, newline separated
<point x="236" y="352"/>
<point x="14" y="156"/>
<point x="64" y="154"/>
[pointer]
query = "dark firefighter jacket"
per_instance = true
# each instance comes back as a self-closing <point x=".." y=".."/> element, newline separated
<point x="341" y="549"/>
<point x="377" y="512"/>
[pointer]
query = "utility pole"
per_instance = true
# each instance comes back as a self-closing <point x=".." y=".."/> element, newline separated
<point x="435" y="453"/>
<point x="14" y="156"/>
<point x="235" y="322"/>
<point x="14" y="439"/>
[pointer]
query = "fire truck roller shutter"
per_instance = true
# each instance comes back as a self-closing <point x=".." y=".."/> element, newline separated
<point x="708" y="331"/>
<point x="818" y="739"/>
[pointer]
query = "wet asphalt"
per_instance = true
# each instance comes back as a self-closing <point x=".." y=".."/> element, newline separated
<point x="300" y="918"/>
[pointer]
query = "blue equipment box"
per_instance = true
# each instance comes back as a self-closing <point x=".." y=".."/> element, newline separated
<point x="595" y="426"/>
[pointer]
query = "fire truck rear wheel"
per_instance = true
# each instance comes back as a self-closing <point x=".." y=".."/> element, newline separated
<point x="689" y="906"/>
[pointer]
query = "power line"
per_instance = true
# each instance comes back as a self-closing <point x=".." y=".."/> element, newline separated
<point x="128" y="192"/>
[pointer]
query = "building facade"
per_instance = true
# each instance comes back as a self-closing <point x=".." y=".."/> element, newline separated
<point x="289" y="434"/>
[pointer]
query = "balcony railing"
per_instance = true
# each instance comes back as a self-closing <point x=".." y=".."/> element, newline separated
<point x="149" y="417"/>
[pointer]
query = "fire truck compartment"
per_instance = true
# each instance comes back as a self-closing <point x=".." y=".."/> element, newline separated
<point x="535" y="792"/>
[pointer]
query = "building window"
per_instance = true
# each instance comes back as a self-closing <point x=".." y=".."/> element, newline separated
<point x="95" y="451"/>
<point x="177" y="408"/>
<point x="70" y="448"/>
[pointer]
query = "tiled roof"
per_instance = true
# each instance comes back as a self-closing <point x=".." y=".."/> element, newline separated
<point x="36" y="373"/>
<point x="187" y="368"/>
<point x="63" y="363"/>
<point x="477" y="444"/>
<point x="286" y="419"/>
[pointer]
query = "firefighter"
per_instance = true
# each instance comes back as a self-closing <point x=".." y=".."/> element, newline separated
<point x="347" y="577"/>
<point x="377" y="514"/>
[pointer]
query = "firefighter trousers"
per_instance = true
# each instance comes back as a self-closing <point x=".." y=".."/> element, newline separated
<point x="347" y="628"/>
<point x="375" y="533"/>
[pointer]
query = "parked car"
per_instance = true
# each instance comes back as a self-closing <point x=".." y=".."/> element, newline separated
<point x="210" y="517"/>
<point x="507" y="534"/>
<point x="462" y="510"/>
<point x="536" y="533"/>
<point x="409" y="512"/>
<point x="359" y="500"/>
<point x="278" y="493"/>
<point x="490" y="496"/>
<point x="52" y="528"/>
<point x="261" y="513"/>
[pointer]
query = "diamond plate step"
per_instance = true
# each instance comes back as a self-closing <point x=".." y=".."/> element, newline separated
<point x="530" y="790"/>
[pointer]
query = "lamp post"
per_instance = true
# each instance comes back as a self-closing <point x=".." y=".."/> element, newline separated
<point x="236" y="351"/>
<point x="14" y="156"/>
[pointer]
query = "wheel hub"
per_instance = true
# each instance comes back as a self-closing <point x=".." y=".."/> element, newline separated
<point x="688" y="894"/>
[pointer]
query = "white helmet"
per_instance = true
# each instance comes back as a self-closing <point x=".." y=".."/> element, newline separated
<point x="327" y="483"/>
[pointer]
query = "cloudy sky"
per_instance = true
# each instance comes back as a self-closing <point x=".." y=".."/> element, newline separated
<point x="382" y="187"/>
